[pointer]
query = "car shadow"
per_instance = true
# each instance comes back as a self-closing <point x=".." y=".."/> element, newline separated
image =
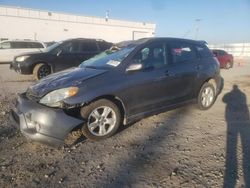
<point x="147" y="152"/>
<point x="7" y="132"/>
<point x="238" y="125"/>
<point x="80" y="138"/>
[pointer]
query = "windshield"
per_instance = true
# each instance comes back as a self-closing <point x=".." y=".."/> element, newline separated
<point x="53" y="46"/>
<point x="107" y="59"/>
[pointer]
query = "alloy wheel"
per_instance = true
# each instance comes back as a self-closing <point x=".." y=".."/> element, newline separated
<point x="207" y="97"/>
<point x="101" y="121"/>
<point x="43" y="71"/>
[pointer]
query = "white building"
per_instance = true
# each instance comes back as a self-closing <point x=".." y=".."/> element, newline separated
<point x="23" y="23"/>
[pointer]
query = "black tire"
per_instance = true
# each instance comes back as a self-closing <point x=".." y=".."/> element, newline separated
<point x="201" y="99"/>
<point x="87" y="113"/>
<point x="41" y="70"/>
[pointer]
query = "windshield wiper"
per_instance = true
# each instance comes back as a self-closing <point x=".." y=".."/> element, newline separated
<point x="89" y="66"/>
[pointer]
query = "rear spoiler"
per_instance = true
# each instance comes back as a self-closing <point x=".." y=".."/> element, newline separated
<point x="203" y="42"/>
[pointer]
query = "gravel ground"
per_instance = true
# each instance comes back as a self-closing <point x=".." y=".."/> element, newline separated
<point x="185" y="147"/>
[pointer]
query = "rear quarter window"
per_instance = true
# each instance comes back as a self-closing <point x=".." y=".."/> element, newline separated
<point x="35" y="45"/>
<point x="203" y="51"/>
<point x="181" y="52"/>
<point x="88" y="46"/>
<point x="19" y="45"/>
<point x="104" y="45"/>
<point x="221" y="52"/>
<point x="5" y="45"/>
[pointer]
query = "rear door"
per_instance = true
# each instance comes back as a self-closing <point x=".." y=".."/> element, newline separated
<point x="182" y="70"/>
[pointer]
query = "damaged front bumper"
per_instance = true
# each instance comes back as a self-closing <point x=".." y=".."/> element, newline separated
<point x="40" y="123"/>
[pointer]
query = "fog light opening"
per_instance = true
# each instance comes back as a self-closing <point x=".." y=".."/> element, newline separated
<point x="38" y="126"/>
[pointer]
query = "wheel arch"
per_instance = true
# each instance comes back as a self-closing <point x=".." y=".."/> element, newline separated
<point x="117" y="102"/>
<point x="42" y="62"/>
<point x="210" y="80"/>
<point x="213" y="82"/>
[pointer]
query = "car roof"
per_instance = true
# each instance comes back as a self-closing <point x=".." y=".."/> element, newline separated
<point x="131" y="42"/>
<point x="16" y="40"/>
<point x="152" y="39"/>
<point x="177" y="39"/>
<point x="218" y="50"/>
<point x="83" y="39"/>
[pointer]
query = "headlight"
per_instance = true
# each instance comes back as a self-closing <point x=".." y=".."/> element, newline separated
<point x="54" y="98"/>
<point x="22" y="58"/>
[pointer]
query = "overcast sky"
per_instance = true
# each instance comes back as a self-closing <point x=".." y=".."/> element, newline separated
<point x="221" y="20"/>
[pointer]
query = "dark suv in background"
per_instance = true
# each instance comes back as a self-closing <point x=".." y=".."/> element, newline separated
<point x="59" y="56"/>
<point x="117" y="87"/>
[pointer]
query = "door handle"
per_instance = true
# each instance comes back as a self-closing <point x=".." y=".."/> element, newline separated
<point x="168" y="73"/>
<point x="162" y="77"/>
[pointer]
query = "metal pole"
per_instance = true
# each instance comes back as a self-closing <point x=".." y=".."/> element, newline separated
<point x="197" y="28"/>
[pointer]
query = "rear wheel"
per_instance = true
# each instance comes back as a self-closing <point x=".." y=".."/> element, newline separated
<point x="103" y="118"/>
<point x="206" y="96"/>
<point x="41" y="70"/>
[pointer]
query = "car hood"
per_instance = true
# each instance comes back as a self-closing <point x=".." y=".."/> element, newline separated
<point x="33" y="53"/>
<point x="63" y="79"/>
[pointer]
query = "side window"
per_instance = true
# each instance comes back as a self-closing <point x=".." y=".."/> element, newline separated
<point x="88" y="46"/>
<point x="215" y="53"/>
<point x="104" y="45"/>
<point x="19" y="45"/>
<point x="203" y="51"/>
<point x="5" y="45"/>
<point x="221" y="53"/>
<point x="181" y="52"/>
<point x="153" y="55"/>
<point x="70" y="47"/>
<point x="35" y="45"/>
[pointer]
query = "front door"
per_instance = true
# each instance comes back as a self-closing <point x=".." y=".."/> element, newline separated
<point x="147" y="89"/>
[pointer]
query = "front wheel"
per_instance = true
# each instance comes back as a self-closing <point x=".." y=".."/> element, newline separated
<point x="102" y="117"/>
<point x="41" y="70"/>
<point x="207" y="96"/>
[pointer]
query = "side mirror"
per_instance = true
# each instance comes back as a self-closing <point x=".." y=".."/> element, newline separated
<point x="134" y="67"/>
<point x="59" y="53"/>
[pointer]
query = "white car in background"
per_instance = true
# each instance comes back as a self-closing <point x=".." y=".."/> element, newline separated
<point x="11" y="48"/>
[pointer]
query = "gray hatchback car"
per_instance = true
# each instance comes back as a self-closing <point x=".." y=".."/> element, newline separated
<point x="118" y="86"/>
